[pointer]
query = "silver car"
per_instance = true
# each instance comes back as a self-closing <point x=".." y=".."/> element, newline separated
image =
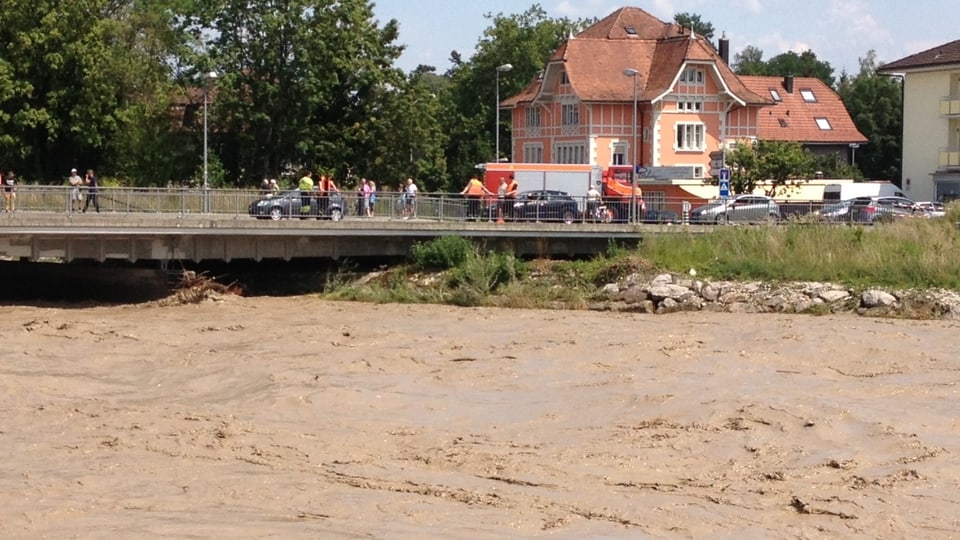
<point x="745" y="208"/>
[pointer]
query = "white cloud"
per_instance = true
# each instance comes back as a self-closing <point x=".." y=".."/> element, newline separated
<point x="586" y="8"/>
<point x="751" y="6"/>
<point x="852" y="20"/>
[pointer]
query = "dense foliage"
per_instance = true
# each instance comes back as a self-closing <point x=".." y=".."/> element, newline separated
<point x="121" y="86"/>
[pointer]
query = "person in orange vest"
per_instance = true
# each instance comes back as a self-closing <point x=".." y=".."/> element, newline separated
<point x="474" y="192"/>
<point x="512" y="188"/>
<point x="510" y="197"/>
<point x="325" y="188"/>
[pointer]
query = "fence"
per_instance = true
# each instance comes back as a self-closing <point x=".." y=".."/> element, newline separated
<point x="542" y="207"/>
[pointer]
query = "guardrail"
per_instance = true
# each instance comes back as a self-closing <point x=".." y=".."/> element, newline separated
<point x="388" y="205"/>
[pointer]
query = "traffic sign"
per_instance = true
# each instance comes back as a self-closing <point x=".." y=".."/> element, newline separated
<point x="725" y="182"/>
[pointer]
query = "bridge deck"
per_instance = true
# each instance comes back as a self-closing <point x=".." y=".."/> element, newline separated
<point x="197" y="237"/>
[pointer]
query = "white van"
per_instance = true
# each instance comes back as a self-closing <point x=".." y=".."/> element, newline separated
<point x="833" y="193"/>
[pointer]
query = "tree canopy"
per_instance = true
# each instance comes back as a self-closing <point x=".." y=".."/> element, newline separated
<point x="784" y="164"/>
<point x="875" y="104"/>
<point x="806" y="64"/>
<point x="305" y="84"/>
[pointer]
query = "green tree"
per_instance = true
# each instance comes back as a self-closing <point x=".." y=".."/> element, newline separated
<point x="304" y="83"/>
<point x="875" y="103"/>
<point x="805" y="64"/>
<point x="410" y="139"/>
<point x="695" y="23"/>
<point x="523" y="40"/>
<point x="750" y="62"/>
<point x="57" y="85"/>
<point x="783" y="163"/>
<point x="85" y="84"/>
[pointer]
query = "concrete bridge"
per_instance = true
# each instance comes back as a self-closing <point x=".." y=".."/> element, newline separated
<point x="38" y="236"/>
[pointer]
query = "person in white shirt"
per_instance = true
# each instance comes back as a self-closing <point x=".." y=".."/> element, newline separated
<point x="76" y="198"/>
<point x="410" y="200"/>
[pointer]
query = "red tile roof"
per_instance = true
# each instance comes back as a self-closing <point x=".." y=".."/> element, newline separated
<point x="618" y="25"/>
<point x="794" y="119"/>
<point x="596" y="58"/>
<point x="944" y="55"/>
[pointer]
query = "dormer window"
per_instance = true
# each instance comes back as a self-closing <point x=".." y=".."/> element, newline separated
<point x="692" y="75"/>
<point x="808" y="95"/>
<point x="631" y="31"/>
<point x="824" y="124"/>
<point x="563" y="78"/>
<point x="775" y="94"/>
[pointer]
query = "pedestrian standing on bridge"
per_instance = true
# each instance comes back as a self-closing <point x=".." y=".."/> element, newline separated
<point x="410" y="200"/>
<point x="326" y="188"/>
<point x="305" y="185"/>
<point x="10" y="192"/>
<point x="93" y="191"/>
<point x="366" y="192"/>
<point x="76" y="198"/>
<point x="474" y="192"/>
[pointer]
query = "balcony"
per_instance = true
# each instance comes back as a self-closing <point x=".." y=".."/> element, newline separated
<point x="949" y="158"/>
<point x="950" y="106"/>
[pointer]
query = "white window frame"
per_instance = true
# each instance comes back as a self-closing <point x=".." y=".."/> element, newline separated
<point x="533" y="153"/>
<point x="570" y="153"/>
<point x="823" y="123"/>
<point x="570" y="114"/>
<point x="690" y="106"/>
<point x="619" y="152"/>
<point x="697" y="131"/>
<point x="533" y="118"/>
<point x="692" y="75"/>
<point x="775" y="94"/>
<point x="808" y="95"/>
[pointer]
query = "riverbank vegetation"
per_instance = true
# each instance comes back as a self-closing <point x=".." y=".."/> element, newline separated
<point x="906" y="254"/>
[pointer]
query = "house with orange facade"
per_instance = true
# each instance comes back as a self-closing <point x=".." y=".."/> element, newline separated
<point x="632" y="89"/>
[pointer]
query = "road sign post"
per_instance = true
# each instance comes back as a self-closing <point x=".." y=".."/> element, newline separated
<point x="725" y="182"/>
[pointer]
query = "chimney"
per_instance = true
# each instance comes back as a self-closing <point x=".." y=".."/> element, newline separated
<point x="788" y="84"/>
<point x="724" y="48"/>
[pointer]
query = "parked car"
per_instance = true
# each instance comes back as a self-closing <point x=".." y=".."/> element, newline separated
<point x="835" y="212"/>
<point x="873" y="209"/>
<point x="744" y="208"/>
<point x="288" y="204"/>
<point x="545" y="205"/>
<point x="660" y="215"/>
<point x="931" y="209"/>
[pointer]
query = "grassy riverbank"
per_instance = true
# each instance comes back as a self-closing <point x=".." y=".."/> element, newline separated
<point x="906" y="254"/>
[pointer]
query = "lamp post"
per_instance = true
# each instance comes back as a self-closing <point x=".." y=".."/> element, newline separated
<point x="500" y="69"/>
<point x="634" y="74"/>
<point x="208" y="79"/>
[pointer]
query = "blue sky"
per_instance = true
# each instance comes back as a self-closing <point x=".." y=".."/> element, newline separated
<point x="837" y="31"/>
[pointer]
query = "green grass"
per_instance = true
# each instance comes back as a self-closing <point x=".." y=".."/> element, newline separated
<point x="911" y="253"/>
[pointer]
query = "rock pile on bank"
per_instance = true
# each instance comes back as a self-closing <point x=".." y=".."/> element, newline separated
<point x="669" y="293"/>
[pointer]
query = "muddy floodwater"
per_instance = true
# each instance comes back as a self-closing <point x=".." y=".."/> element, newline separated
<point x="300" y="418"/>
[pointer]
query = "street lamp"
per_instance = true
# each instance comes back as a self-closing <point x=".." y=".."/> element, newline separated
<point x="208" y="79"/>
<point x="630" y="72"/>
<point x="500" y="69"/>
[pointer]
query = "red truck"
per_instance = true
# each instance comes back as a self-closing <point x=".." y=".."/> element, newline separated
<point x="614" y="183"/>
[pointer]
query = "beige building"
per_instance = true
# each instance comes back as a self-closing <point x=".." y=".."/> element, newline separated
<point x="931" y="121"/>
